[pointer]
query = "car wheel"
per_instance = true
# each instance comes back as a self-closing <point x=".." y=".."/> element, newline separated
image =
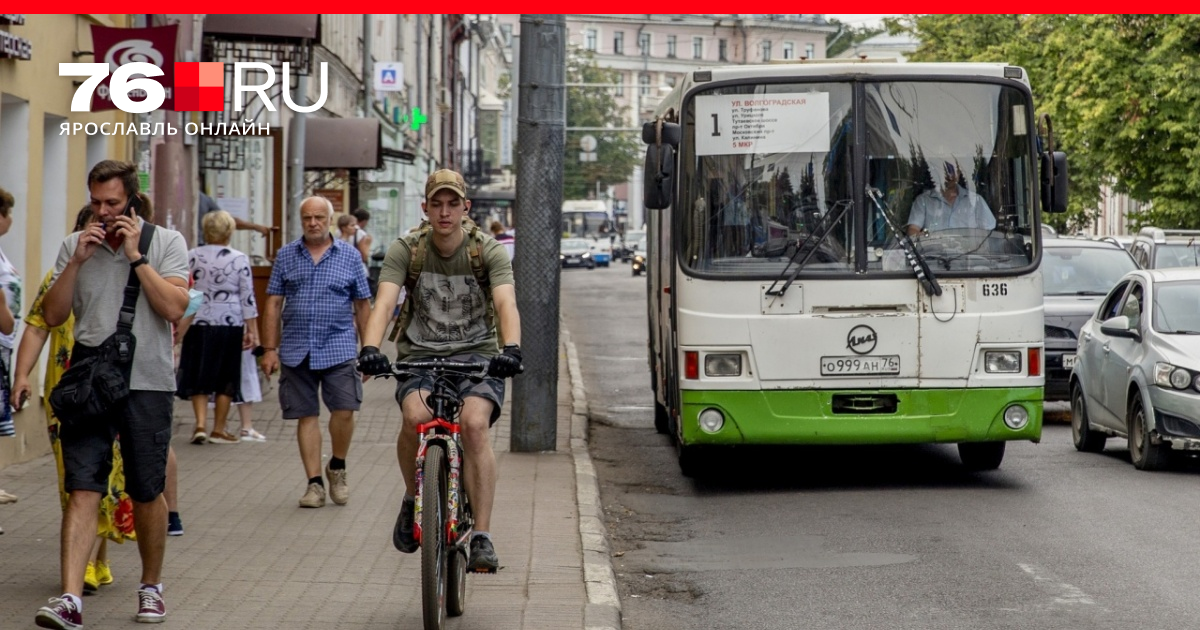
<point x="1144" y="454"/>
<point x="1086" y="440"/>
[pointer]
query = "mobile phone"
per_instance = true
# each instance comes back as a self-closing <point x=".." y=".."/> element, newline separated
<point x="131" y="206"/>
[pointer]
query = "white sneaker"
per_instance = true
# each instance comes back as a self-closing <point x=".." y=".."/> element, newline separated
<point x="250" y="435"/>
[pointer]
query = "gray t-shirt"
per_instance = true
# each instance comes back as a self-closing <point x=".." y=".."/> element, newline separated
<point x="100" y="289"/>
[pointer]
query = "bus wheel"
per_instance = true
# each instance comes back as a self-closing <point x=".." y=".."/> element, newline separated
<point x="695" y="461"/>
<point x="662" y="420"/>
<point x="977" y="456"/>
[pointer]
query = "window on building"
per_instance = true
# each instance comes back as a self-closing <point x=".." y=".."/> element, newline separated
<point x="722" y="50"/>
<point x="810" y="51"/>
<point x="644" y="84"/>
<point x="506" y="34"/>
<point x="697" y="48"/>
<point x="789" y="50"/>
<point x="644" y="44"/>
<point x="671" y="46"/>
<point x="619" y="43"/>
<point x="620" y="89"/>
<point x="591" y="39"/>
<point x="766" y="51"/>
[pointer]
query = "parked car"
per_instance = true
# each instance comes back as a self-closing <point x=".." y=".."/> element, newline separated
<point x="602" y="251"/>
<point x="576" y="252"/>
<point x="1076" y="275"/>
<point x="1138" y="372"/>
<point x="1124" y="240"/>
<point x="639" y="260"/>
<point x="1156" y="248"/>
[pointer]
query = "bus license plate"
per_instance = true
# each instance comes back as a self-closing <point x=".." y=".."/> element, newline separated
<point x="860" y="366"/>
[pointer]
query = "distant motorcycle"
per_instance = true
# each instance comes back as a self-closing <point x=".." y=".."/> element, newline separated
<point x="639" y="264"/>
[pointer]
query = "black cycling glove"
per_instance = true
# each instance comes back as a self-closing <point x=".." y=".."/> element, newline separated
<point x="372" y="362"/>
<point x="506" y="364"/>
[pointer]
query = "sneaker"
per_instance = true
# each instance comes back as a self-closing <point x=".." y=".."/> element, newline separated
<point x="402" y="535"/>
<point x="90" y="583"/>
<point x="7" y="497"/>
<point x="338" y="490"/>
<point x="151" y="608"/>
<point x="174" y="524"/>
<point x="221" y="437"/>
<point x="199" y="437"/>
<point x="104" y="575"/>
<point x="61" y="614"/>
<point x="314" y="497"/>
<point x="483" y="556"/>
<point x="250" y="435"/>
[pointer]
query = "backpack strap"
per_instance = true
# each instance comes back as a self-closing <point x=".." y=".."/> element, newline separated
<point x="418" y="247"/>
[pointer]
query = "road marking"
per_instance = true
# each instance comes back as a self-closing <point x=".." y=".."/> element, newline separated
<point x="1062" y="592"/>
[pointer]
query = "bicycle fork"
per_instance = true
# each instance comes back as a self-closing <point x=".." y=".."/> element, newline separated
<point x="454" y="487"/>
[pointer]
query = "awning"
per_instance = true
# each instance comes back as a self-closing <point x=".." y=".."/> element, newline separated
<point x="288" y="28"/>
<point x="333" y="143"/>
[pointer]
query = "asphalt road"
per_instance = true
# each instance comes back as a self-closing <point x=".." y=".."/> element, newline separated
<point x="871" y="537"/>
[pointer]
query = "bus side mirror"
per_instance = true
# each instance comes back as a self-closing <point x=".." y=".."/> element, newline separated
<point x="1054" y="182"/>
<point x="658" y="176"/>
<point x="672" y="133"/>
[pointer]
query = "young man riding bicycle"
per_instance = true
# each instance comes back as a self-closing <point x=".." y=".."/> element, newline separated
<point x="456" y="278"/>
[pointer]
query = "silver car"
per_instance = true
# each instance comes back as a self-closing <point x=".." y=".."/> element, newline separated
<point x="1137" y="374"/>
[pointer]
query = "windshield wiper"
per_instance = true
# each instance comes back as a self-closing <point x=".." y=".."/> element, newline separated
<point x="915" y="260"/>
<point x="828" y="222"/>
<point x="1091" y="293"/>
<point x="1183" y="332"/>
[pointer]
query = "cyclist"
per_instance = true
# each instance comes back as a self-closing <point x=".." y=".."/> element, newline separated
<point x="456" y="267"/>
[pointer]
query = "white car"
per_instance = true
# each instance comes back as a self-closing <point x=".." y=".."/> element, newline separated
<point x="1137" y="371"/>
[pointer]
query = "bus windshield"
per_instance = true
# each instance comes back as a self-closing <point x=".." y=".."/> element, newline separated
<point x="585" y="224"/>
<point x="949" y="161"/>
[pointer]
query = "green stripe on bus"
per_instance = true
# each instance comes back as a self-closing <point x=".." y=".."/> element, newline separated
<point x="808" y="416"/>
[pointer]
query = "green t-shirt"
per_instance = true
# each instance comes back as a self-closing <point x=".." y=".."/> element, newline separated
<point x="449" y="309"/>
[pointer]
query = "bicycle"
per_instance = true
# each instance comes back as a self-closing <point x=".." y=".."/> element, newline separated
<point x="444" y="530"/>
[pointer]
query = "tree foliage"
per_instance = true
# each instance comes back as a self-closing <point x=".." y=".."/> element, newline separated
<point x="1121" y="91"/>
<point x="595" y="105"/>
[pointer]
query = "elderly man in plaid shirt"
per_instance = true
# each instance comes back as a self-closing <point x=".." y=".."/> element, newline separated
<point x="319" y="284"/>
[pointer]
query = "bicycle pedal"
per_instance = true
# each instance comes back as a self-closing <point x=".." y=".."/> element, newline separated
<point x="485" y="571"/>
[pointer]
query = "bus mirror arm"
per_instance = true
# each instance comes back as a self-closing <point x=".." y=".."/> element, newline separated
<point x="915" y="260"/>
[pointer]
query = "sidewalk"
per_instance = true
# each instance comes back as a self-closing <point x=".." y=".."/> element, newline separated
<point x="250" y="558"/>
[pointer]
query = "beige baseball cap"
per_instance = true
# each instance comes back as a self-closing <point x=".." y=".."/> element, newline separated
<point x="445" y="179"/>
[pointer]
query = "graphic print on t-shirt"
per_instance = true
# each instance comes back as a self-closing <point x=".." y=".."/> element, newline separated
<point x="450" y="313"/>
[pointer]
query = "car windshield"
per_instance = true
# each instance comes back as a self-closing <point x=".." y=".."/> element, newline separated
<point x="1083" y="270"/>
<point x="633" y="236"/>
<point x="574" y="243"/>
<point x="1177" y="307"/>
<point x="1177" y="255"/>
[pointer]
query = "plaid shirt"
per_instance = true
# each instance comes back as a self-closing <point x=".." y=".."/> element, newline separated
<point x="318" y="308"/>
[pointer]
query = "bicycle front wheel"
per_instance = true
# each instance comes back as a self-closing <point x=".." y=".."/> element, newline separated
<point x="433" y="537"/>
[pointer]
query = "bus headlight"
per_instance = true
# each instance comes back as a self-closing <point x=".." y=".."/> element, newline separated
<point x="722" y="365"/>
<point x="1015" y="417"/>
<point x="1005" y="362"/>
<point x="711" y="420"/>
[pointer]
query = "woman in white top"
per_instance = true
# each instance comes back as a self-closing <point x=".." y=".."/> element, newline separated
<point x="348" y="231"/>
<point x="10" y="310"/>
<point x="226" y="324"/>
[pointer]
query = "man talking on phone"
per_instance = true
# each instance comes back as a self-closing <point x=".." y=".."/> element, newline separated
<point x="90" y="276"/>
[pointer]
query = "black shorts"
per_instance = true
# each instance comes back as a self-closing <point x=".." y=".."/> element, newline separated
<point x="144" y="425"/>
<point x="340" y="387"/>
<point x="489" y="388"/>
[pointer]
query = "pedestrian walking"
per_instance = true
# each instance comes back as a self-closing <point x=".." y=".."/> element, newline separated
<point x="210" y="362"/>
<point x="93" y="271"/>
<point x="447" y="263"/>
<point x="319" y="286"/>
<point x="10" y="310"/>
<point x="114" y="520"/>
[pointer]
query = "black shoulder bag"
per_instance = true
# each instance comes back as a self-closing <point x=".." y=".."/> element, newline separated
<point x="98" y="378"/>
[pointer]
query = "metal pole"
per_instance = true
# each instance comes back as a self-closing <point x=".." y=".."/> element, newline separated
<point x="540" y="146"/>
<point x="296" y="161"/>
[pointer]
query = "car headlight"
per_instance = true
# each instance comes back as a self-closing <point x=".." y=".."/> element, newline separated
<point x="722" y="365"/>
<point x="586" y="255"/>
<point x="561" y="257"/>
<point x="1167" y="375"/>
<point x="1002" y="362"/>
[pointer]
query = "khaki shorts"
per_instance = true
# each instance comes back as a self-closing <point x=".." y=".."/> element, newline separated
<point x="489" y="388"/>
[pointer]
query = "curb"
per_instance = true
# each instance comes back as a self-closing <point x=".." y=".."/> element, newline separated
<point x="603" y="611"/>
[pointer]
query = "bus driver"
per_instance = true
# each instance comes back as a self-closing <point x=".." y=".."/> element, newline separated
<point x="949" y="206"/>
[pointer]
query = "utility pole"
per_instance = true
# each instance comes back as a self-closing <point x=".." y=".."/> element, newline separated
<point x="296" y="163"/>
<point x="540" y="137"/>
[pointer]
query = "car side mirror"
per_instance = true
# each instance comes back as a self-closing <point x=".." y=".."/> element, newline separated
<point x="1119" y="327"/>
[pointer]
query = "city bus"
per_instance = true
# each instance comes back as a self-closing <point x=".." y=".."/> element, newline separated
<point x="590" y="219"/>
<point x="848" y="253"/>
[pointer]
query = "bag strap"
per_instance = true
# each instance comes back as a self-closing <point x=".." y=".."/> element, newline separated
<point x="133" y="286"/>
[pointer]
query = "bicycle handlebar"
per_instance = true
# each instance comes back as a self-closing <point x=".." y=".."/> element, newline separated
<point x="465" y="368"/>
